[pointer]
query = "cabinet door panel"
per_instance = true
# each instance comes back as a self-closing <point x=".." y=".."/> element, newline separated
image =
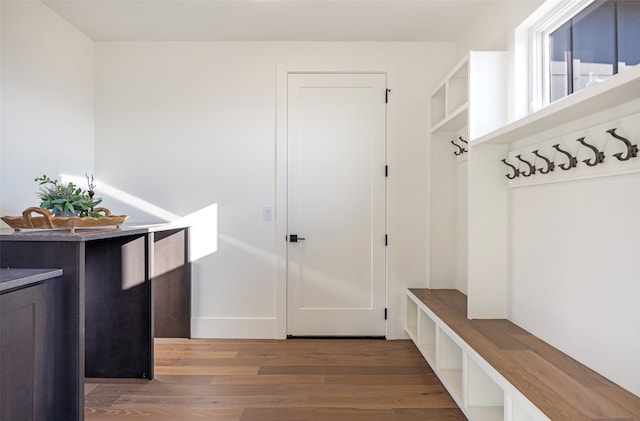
<point x="23" y="384"/>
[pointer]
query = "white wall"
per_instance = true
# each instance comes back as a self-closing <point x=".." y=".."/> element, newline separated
<point x="492" y="30"/>
<point x="574" y="248"/>
<point x="575" y="275"/>
<point x="186" y="125"/>
<point x="47" y="102"/>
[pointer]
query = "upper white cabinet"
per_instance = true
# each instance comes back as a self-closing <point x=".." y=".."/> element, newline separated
<point x="450" y="100"/>
<point x="472" y="96"/>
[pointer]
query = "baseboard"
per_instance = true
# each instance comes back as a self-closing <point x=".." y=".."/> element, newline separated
<point x="233" y="328"/>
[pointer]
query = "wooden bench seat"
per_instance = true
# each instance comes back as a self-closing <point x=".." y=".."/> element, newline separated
<point x="559" y="386"/>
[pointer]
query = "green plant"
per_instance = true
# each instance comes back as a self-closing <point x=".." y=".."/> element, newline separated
<point x="65" y="199"/>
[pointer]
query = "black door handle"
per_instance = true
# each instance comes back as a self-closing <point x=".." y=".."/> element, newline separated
<point x="294" y="238"/>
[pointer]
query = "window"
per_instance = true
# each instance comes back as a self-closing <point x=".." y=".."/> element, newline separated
<point x="573" y="44"/>
<point x="598" y="42"/>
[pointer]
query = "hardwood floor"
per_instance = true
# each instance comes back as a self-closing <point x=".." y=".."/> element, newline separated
<point x="263" y="380"/>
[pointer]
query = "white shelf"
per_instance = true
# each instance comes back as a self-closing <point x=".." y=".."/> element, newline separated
<point x="454" y="121"/>
<point x="486" y="413"/>
<point x="449" y="100"/>
<point x="604" y="99"/>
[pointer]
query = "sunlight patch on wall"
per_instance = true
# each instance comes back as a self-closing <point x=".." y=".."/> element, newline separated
<point x="134" y="201"/>
<point x="203" y="222"/>
<point x="247" y="248"/>
<point x="204" y="231"/>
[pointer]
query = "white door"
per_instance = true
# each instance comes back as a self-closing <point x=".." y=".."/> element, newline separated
<point x="336" y="282"/>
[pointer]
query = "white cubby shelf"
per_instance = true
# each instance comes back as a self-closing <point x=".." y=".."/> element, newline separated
<point x="496" y="371"/>
<point x="472" y="96"/>
<point x="480" y="391"/>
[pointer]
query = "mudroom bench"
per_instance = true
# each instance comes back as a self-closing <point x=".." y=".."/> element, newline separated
<point x="495" y="370"/>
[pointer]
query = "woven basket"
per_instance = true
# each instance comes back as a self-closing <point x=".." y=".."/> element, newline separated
<point x="47" y="221"/>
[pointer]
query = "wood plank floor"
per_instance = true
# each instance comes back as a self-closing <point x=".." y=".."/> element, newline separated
<point x="263" y="380"/>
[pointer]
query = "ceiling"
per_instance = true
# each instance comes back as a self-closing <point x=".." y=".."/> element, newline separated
<point x="270" y="20"/>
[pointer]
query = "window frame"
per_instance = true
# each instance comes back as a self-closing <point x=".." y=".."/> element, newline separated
<point x="558" y="13"/>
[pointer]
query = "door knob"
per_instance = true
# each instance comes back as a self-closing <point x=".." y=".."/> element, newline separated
<point x="294" y="238"/>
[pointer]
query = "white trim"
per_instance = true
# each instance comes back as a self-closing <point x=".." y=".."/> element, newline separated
<point x="280" y="214"/>
<point x="559" y="15"/>
<point x="330" y="67"/>
<point x="233" y="327"/>
<point x="395" y="315"/>
<point x="282" y="72"/>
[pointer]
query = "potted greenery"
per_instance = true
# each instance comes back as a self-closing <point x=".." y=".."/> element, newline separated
<point x="66" y="199"/>
<point x="64" y="206"/>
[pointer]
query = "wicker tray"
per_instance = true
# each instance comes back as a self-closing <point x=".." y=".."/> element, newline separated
<point x="48" y="221"/>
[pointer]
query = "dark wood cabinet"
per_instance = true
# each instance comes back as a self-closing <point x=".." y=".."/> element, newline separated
<point x="116" y="285"/>
<point x="27" y="346"/>
<point x="23" y="349"/>
<point x="118" y="324"/>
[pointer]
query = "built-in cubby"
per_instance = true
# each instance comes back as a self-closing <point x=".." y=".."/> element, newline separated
<point x="412" y="319"/>
<point x="427" y="336"/>
<point x="519" y="412"/>
<point x="471" y="95"/>
<point x="449" y="363"/>
<point x="484" y="398"/>
<point x="477" y="387"/>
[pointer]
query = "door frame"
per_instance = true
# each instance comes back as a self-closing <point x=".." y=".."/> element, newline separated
<point x="280" y="212"/>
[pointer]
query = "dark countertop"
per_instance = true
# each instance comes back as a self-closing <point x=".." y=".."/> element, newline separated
<point x="20" y="278"/>
<point x="83" y="234"/>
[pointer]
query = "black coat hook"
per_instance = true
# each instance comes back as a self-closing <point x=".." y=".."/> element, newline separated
<point x="516" y="171"/>
<point x="632" y="150"/>
<point x="465" y="142"/>
<point x="573" y="162"/>
<point x="599" y="156"/>
<point x="550" y="165"/>
<point x="532" y="169"/>
<point x="460" y="150"/>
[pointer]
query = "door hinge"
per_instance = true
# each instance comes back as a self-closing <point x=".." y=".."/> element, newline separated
<point x="386" y="171"/>
<point x="386" y="240"/>
<point x="385" y="314"/>
<point x="386" y="96"/>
